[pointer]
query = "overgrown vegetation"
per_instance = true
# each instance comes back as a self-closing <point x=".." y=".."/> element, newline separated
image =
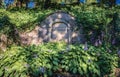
<point x="54" y="58"/>
<point x="22" y="19"/>
<point x="92" y="19"/>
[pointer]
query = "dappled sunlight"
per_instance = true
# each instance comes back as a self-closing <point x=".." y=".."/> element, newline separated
<point x="62" y="38"/>
<point x="59" y="31"/>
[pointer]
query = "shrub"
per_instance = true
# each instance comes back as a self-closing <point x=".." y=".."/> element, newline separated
<point x="50" y="58"/>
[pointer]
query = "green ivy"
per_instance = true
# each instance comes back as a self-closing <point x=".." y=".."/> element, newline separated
<point x="51" y="58"/>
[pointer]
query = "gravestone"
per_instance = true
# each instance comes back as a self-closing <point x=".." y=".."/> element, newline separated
<point x="58" y="26"/>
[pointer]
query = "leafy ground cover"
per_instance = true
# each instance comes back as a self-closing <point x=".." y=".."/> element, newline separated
<point x="22" y="19"/>
<point x="52" y="58"/>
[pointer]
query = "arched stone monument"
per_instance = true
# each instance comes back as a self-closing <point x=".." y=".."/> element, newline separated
<point x="58" y="26"/>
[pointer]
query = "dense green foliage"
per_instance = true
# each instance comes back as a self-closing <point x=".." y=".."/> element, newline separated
<point x="12" y="22"/>
<point x="22" y="19"/>
<point x="90" y="18"/>
<point x="50" y="58"/>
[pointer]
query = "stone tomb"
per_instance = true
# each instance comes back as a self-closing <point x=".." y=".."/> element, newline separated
<point x="58" y="26"/>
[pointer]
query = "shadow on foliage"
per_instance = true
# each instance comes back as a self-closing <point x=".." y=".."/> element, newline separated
<point x="9" y="29"/>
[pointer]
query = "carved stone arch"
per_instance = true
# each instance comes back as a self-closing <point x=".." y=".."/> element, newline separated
<point x="61" y="27"/>
<point x="59" y="24"/>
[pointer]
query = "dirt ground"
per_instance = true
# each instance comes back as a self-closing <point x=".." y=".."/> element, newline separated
<point x="117" y="72"/>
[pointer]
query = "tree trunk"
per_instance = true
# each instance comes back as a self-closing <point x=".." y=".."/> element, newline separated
<point x="26" y="2"/>
<point x="0" y="3"/>
<point x="21" y="2"/>
<point x="47" y="4"/>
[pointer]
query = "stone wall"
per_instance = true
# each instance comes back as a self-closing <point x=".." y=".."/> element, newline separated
<point x="3" y="42"/>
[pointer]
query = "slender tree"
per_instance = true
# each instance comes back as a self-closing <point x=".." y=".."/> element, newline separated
<point x="47" y="4"/>
<point x="0" y="2"/>
<point x="21" y="2"/>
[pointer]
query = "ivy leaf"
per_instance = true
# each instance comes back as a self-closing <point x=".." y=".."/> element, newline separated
<point x="97" y="72"/>
<point x="55" y="62"/>
<point x="55" y="68"/>
<point x="48" y="66"/>
<point x="66" y="68"/>
<point x="84" y="68"/>
<point x="75" y="70"/>
<point x="56" y="59"/>
<point x="80" y="71"/>
<point x="1" y="72"/>
<point x="63" y="66"/>
<point x="49" y="72"/>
